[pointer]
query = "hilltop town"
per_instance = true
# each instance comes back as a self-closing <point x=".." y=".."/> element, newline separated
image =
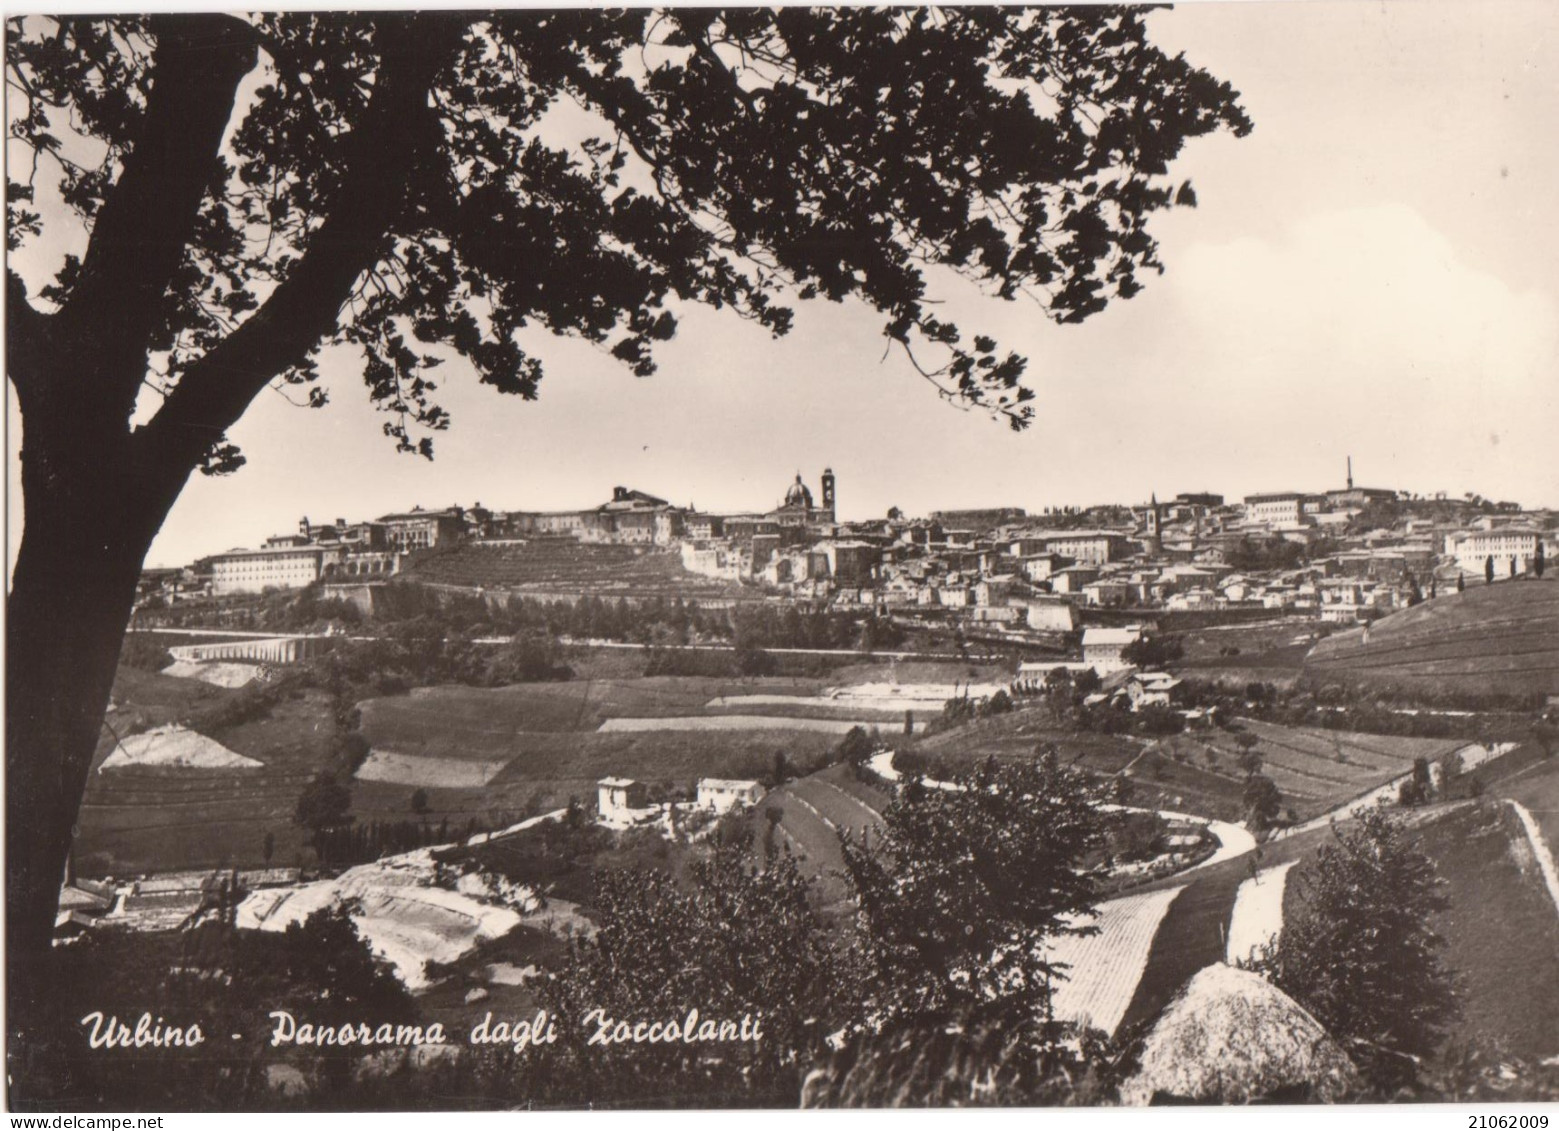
<point x="1341" y="555"/>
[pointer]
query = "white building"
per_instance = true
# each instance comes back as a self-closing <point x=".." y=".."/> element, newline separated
<point x="621" y="801"/>
<point x="725" y="794"/>
<point x="1505" y="544"/>
<point x="1053" y="615"/>
<point x="1102" y="647"/>
<point x="280" y="567"/>
<point x="1277" y="508"/>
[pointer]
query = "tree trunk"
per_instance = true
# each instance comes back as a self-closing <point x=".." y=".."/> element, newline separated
<point x="87" y="532"/>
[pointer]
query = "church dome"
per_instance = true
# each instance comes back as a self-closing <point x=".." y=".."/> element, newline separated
<point x="798" y="495"/>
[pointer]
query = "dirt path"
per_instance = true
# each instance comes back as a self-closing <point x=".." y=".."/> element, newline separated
<point x="1258" y="912"/>
<point x="1540" y="849"/>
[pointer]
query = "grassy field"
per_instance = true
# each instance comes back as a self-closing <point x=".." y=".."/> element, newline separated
<point x="1500" y="639"/>
<point x="1537" y="787"/>
<point x="1192" y="935"/>
<point x="547" y="735"/>
<point x="145" y="818"/>
<point x="1243" y="654"/>
<point x="544" y="735"/>
<point x="1016" y="735"/>
<point x="1501" y="930"/>
<point x="1252" y="644"/>
<point x="1316" y="770"/>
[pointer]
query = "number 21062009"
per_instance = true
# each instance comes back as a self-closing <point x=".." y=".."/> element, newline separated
<point x="1507" y="1122"/>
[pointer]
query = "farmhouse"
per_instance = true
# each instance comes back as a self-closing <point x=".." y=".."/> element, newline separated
<point x="725" y="794"/>
<point x="621" y="800"/>
<point x="1148" y="689"/>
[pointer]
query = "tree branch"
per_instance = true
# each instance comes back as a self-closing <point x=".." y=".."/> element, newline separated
<point x="378" y="159"/>
<point x="139" y="237"/>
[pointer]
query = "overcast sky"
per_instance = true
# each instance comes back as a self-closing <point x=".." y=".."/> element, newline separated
<point x="1374" y="271"/>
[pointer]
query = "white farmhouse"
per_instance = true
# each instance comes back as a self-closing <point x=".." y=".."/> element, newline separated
<point x="621" y="800"/>
<point x="724" y="794"/>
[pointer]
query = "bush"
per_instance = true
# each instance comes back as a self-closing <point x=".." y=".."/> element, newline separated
<point x="1158" y="719"/>
<point x="144" y="652"/>
<point x="1153" y="651"/>
<point x="1362" y="955"/>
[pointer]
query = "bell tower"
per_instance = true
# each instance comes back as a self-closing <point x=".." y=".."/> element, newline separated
<point x="828" y="492"/>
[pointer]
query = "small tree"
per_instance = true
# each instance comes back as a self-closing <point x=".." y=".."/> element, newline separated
<point x="419" y="801"/>
<point x="1362" y="954"/>
<point x="322" y="809"/>
<point x="1537" y="561"/>
<point x="1488" y="570"/>
<point x="1417" y="789"/>
<point x="998" y="704"/>
<point x="1461" y="583"/>
<point x="1263" y="802"/>
<point x="1250" y="761"/>
<point x="1153" y="651"/>
<point x="855" y="748"/>
<point x="1450" y="771"/>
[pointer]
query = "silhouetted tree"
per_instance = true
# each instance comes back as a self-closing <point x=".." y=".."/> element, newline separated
<point x="386" y="184"/>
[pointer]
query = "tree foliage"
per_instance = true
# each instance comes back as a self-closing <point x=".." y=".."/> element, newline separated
<point x="732" y="941"/>
<point x="1153" y="651"/>
<point x="1362" y="954"/>
<point x="1262" y="800"/>
<point x="960" y="888"/>
<point x="733" y="158"/>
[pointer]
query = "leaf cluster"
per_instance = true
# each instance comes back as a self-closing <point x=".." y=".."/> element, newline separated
<point x="592" y="172"/>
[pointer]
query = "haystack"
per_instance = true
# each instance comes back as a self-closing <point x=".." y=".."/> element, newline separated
<point x="1230" y="1036"/>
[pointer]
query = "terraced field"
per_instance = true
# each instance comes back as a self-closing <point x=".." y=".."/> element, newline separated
<point x="565" y="564"/>
<point x="1105" y="968"/>
<point x="141" y="818"/>
<point x="1315" y="770"/>
<point x="1500" y="639"/>
<point x="1015" y="735"/>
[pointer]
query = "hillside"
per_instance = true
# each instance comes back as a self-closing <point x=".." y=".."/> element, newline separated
<point x="1500" y="639"/>
<point x="561" y="564"/>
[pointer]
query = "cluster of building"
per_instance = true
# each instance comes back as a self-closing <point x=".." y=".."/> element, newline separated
<point x="1005" y="569"/>
<point x="623" y="802"/>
